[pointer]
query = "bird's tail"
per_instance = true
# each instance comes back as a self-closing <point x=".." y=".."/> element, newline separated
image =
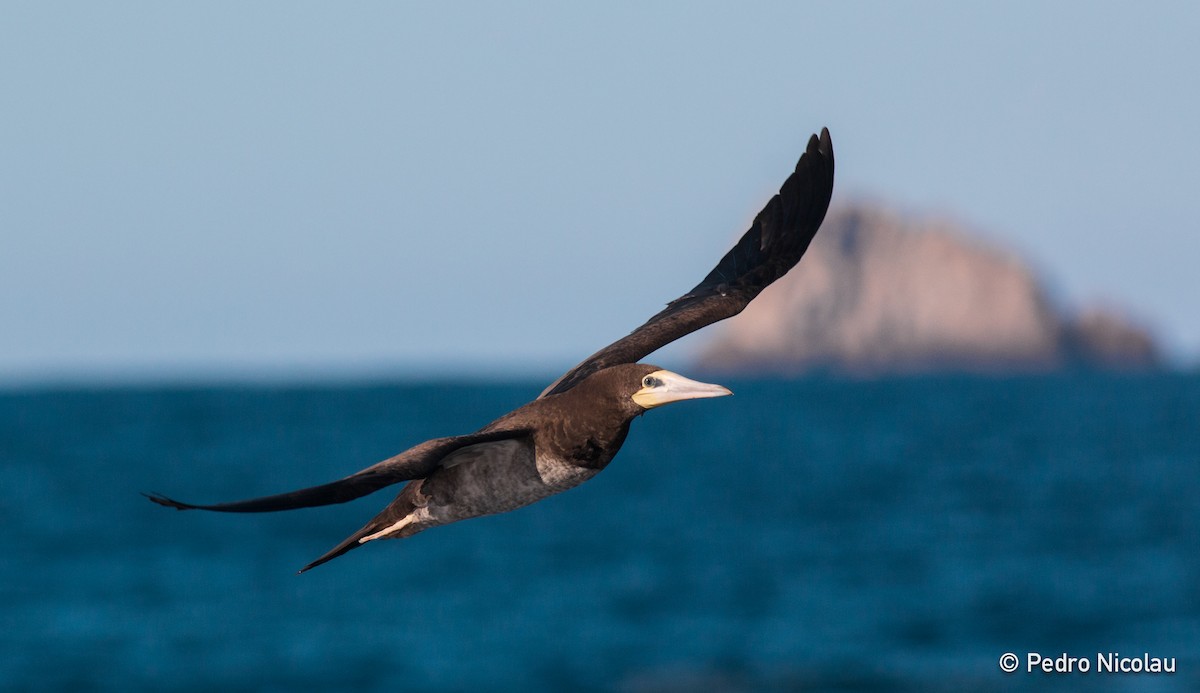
<point x="351" y="542"/>
<point x="395" y="522"/>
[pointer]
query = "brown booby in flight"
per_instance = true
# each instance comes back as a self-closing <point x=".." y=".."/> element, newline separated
<point x="575" y="427"/>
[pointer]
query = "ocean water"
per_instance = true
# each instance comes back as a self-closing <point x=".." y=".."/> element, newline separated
<point x="808" y="535"/>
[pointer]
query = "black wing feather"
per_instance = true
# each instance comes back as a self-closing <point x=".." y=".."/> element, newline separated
<point x="774" y="244"/>
<point x="415" y="463"/>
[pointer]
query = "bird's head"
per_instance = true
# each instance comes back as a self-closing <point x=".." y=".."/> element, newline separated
<point x="659" y="386"/>
<point x="641" y="386"/>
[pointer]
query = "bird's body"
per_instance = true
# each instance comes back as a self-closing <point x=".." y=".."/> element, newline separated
<point x="579" y="423"/>
<point x="559" y="442"/>
<point x="481" y="480"/>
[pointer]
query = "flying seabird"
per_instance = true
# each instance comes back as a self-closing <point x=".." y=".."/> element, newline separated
<point x="579" y="422"/>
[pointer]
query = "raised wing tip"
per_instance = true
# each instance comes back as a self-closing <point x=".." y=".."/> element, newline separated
<point x="820" y="144"/>
<point x="777" y="239"/>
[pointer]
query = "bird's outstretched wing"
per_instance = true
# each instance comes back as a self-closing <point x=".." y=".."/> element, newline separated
<point x="774" y="244"/>
<point x="415" y="463"/>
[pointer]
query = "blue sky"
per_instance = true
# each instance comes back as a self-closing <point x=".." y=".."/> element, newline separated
<point x="315" y="187"/>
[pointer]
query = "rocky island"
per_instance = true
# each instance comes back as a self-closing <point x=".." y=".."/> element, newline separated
<point x="881" y="292"/>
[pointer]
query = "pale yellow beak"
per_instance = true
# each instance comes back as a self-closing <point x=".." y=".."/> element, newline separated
<point x="664" y="387"/>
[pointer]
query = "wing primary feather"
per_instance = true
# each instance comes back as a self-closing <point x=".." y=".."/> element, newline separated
<point x="775" y="242"/>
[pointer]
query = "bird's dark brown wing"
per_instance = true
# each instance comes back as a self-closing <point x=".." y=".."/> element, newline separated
<point x="774" y="244"/>
<point x="415" y="463"/>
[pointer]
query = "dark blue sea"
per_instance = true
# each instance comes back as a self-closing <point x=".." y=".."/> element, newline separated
<point x="823" y="535"/>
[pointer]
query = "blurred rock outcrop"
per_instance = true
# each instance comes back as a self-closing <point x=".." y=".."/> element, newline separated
<point x="879" y="292"/>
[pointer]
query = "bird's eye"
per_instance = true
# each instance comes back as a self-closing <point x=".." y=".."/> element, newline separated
<point x="651" y="382"/>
